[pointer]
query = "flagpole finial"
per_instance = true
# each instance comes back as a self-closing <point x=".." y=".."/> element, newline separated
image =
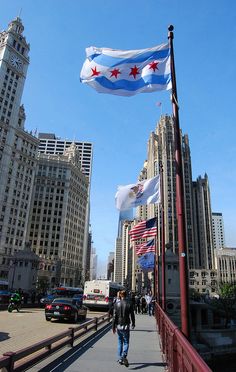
<point x="170" y="34"/>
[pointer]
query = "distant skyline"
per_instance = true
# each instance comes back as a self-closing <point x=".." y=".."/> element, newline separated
<point x="55" y="101"/>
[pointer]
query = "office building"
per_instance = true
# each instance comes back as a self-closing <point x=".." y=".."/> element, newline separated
<point x="161" y="155"/>
<point x="93" y="264"/>
<point x="50" y="144"/>
<point x="226" y="265"/>
<point x="118" y="260"/>
<point x="110" y="266"/>
<point x="86" y="275"/>
<point x="18" y="148"/>
<point x="218" y="231"/>
<point x="204" y="258"/>
<point x="58" y="217"/>
<point x="204" y="281"/>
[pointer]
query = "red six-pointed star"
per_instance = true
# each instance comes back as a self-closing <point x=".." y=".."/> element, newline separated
<point x="134" y="71"/>
<point x="115" y="72"/>
<point x="95" y="72"/>
<point x="153" y="65"/>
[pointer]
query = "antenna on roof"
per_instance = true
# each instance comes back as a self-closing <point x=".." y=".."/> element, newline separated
<point x="20" y="12"/>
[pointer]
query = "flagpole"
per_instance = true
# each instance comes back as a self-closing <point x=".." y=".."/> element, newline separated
<point x="155" y="271"/>
<point x="163" y="264"/>
<point x="179" y="199"/>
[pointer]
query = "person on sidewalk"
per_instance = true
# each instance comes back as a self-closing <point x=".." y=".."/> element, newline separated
<point x="123" y="315"/>
<point x="148" y="299"/>
<point x="143" y="305"/>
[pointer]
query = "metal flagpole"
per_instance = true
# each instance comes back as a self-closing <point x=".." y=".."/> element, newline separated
<point x="163" y="264"/>
<point x="179" y="199"/>
<point x="155" y="271"/>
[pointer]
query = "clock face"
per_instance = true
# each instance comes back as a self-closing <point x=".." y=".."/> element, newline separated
<point x="16" y="62"/>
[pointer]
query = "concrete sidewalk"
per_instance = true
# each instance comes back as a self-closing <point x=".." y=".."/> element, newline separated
<point x="99" y="353"/>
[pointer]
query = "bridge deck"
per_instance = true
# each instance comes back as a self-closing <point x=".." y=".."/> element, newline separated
<point x="98" y="354"/>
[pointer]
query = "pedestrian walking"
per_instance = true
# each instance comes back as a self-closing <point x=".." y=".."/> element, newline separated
<point x="137" y="304"/>
<point x="143" y="305"/>
<point x="123" y="316"/>
<point x="148" y="299"/>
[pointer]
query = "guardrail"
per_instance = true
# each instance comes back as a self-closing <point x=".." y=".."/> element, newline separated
<point x="27" y="357"/>
<point x="179" y="354"/>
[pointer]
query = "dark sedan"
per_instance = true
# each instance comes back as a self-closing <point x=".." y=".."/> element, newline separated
<point x="65" y="308"/>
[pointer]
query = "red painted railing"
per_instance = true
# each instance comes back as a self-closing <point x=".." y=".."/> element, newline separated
<point x="179" y="354"/>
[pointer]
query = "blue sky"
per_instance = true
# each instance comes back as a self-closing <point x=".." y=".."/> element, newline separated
<point x="55" y="100"/>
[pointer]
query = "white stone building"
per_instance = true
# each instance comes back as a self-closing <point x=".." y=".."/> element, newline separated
<point x="50" y="144"/>
<point x="226" y="265"/>
<point x="18" y="148"/>
<point x="58" y="217"/>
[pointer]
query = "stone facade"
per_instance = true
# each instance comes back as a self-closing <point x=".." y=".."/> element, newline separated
<point x="18" y="148"/>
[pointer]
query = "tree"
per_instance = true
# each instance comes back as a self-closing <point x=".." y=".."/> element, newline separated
<point x="226" y="303"/>
<point x="43" y="285"/>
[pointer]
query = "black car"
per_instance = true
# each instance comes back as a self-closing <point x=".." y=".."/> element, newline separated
<point x="65" y="308"/>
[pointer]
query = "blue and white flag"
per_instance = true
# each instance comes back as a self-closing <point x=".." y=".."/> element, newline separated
<point x="143" y="192"/>
<point x="127" y="72"/>
<point x="147" y="261"/>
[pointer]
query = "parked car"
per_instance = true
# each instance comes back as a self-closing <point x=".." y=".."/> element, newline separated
<point x="5" y="297"/>
<point x="65" y="308"/>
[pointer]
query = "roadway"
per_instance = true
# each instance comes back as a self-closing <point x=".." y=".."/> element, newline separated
<point x="23" y="329"/>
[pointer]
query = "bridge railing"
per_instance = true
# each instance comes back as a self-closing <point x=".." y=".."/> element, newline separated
<point x="179" y="354"/>
<point x="27" y="357"/>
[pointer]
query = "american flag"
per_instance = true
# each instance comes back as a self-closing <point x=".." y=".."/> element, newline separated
<point x="145" y="247"/>
<point x="143" y="229"/>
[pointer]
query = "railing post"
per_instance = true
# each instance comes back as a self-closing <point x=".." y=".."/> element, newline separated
<point x="49" y="347"/>
<point x="175" y="366"/>
<point x="72" y="337"/>
<point x="96" y="323"/>
<point x="11" y="355"/>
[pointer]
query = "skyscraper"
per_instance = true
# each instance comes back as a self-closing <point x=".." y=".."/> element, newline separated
<point x="93" y="264"/>
<point x="18" y="148"/>
<point x="161" y="153"/>
<point x="204" y="256"/>
<point x="58" y="217"/>
<point x="218" y="230"/>
<point x="110" y="266"/>
<point x="50" y="144"/>
<point x="121" y="262"/>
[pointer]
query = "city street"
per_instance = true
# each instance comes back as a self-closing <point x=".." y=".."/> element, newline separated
<point x="19" y="330"/>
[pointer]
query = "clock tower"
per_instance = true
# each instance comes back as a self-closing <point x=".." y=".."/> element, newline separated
<point x="18" y="147"/>
<point x="14" y="62"/>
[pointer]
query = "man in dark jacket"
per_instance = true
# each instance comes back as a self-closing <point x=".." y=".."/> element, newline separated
<point x="123" y="315"/>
